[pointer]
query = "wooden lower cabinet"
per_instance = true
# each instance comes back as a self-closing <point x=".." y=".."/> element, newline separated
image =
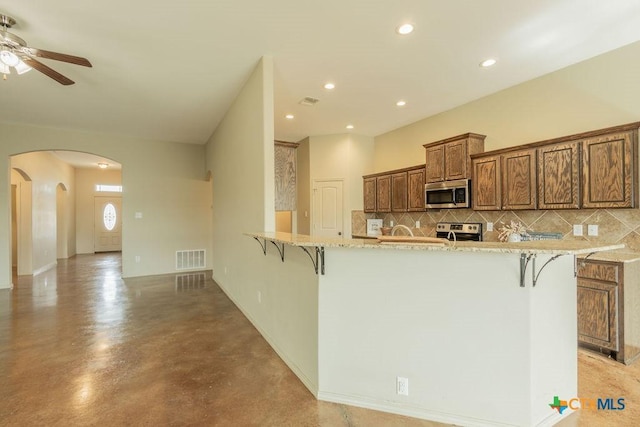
<point x="607" y="302"/>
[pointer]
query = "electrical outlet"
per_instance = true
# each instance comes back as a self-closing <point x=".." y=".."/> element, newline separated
<point x="489" y="226"/>
<point x="417" y="224"/>
<point x="391" y="223"/>
<point x="592" y="230"/>
<point x="577" y="229"/>
<point x="137" y="258"/>
<point x="402" y="386"/>
<point x="259" y="297"/>
<point x="225" y="270"/>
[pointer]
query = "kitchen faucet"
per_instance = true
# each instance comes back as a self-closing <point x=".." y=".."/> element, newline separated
<point x="404" y="227"/>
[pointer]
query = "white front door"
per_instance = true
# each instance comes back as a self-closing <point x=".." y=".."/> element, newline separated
<point x="108" y="224"/>
<point x="327" y="208"/>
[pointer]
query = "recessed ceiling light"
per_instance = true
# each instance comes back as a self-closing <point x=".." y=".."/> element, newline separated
<point x="349" y="126"/>
<point x="405" y="29"/>
<point x="289" y="116"/>
<point x="488" y="63"/>
<point x="401" y="103"/>
<point x="329" y="86"/>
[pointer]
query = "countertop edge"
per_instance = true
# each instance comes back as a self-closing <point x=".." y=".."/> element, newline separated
<point x="549" y="247"/>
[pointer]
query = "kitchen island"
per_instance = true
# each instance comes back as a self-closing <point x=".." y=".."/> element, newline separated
<point x="477" y="342"/>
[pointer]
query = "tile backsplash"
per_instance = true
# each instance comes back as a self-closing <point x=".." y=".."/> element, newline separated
<point x="614" y="225"/>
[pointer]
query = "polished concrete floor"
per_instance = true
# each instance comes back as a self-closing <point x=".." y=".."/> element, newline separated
<point x="79" y="346"/>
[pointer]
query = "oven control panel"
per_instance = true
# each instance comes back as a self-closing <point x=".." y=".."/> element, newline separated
<point x="459" y="227"/>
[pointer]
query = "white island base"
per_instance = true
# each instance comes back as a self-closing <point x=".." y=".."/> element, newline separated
<point x="476" y="347"/>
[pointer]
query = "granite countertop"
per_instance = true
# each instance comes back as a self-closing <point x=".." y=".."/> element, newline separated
<point x="618" y="255"/>
<point x="552" y="247"/>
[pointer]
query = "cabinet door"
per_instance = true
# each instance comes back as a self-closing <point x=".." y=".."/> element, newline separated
<point x="519" y="180"/>
<point x="369" y="193"/>
<point x="399" y="192"/>
<point x="485" y="186"/>
<point x="608" y="171"/>
<point x="599" y="287"/>
<point x="455" y="160"/>
<point x="559" y="176"/>
<point x="383" y="193"/>
<point x="598" y="313"/>
<point x="435" y="164"/>
<point x="416" y="190"/>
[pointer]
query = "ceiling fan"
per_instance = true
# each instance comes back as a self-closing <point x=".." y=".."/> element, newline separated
<point x="15" y="53"/>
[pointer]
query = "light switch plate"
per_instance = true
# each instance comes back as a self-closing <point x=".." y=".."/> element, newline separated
<point x="577" y="229"/>
<point x="489" y="226"/>
<point x="592" y="229"/>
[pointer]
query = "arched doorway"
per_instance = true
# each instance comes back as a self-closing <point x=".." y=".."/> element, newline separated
<point x="60" y="214"/>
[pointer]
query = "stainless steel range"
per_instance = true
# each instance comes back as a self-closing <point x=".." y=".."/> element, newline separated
<point x="460" y="231"/>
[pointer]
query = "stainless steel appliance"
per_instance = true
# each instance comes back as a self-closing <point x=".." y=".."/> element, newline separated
<point x="448" y="194"/>
<point x="460" y="231"/>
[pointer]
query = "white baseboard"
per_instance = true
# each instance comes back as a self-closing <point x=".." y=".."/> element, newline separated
<point x="45" y="268"/>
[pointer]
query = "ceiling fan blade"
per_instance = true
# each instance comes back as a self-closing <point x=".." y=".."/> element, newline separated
<point x="47" y="71"/>
<point x="40" y="53"/>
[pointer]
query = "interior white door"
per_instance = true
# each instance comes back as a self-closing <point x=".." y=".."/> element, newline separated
<point x="327" y="208"/>
<point x="108" y="224"/>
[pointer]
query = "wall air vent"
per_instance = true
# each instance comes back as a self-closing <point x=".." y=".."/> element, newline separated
<point x="191" y="260"/>
<point x="309" y="101"/>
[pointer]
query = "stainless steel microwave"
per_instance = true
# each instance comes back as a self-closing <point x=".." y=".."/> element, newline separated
<point x="448" y="194"/>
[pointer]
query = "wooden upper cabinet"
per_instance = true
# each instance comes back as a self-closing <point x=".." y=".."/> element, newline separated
<point x="486" y="183"/>
<point x="609" y="175"/>
<point x="559" y="176"/>
<point x="449" y="159"/>
<point x="415" y="191"/>
<point x="519" y="180"/>
<point x="434" y="168"/>
<point x="369" y="192"/>
<point x="455" y="160"/>
<point x="383" y="193"/>
<point x="399" y="192"/>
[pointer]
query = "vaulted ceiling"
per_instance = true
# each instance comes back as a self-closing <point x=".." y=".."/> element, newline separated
<point x="170" y="70"/>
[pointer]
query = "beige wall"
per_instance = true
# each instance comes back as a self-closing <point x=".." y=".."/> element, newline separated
<point x="45" y="173"/>
<point x="303" y="184"/>
<point x="165" y="181"/>
<point x="280" y="298"/>
<point x="343" y="157"/>
<point x="594" y="94"/>
<point x="86" y="180"/>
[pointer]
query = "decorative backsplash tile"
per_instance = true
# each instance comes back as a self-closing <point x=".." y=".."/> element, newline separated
<point x="614" y="225"/>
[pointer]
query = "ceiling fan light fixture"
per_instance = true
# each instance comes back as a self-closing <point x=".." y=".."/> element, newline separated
<point x="9" y="58"/>
<point x="4" y="69"/>
<point x="22" y="68"/>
